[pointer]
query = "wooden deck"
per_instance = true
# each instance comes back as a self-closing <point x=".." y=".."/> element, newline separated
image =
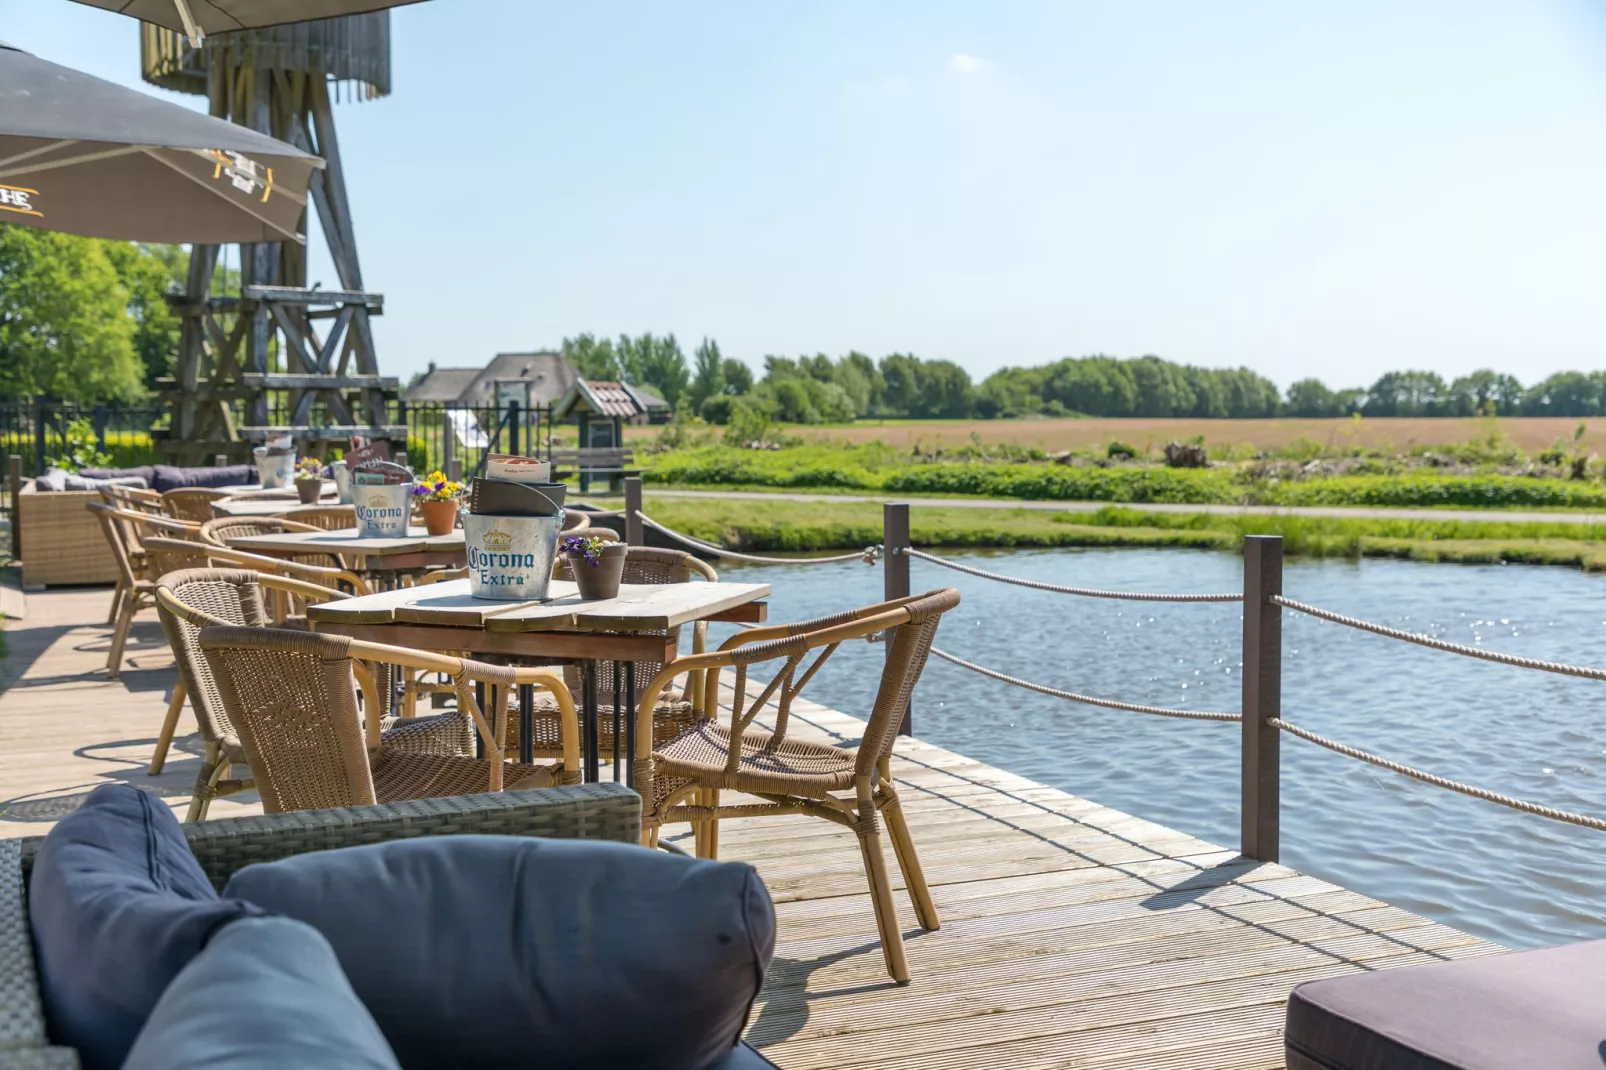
<point x="1072" y="934"/>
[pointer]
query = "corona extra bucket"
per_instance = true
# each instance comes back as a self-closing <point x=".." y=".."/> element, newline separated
<point x="510" y="557"/>
<point x="382" y="511"/>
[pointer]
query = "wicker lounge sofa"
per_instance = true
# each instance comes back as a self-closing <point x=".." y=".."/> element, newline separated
<point x="222" y="848"/>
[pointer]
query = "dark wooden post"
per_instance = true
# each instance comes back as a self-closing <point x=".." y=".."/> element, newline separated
<point x="1263" y="688"/>
<point x="39" y="432"/>
<point x="513" y="429"/>
<point x="633" y="511"/>
<point x="895" y="573"/>
<point x="14" y="488"/>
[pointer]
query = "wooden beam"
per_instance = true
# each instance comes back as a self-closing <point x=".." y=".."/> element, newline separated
<point x="284" y="381"/>
<point x="301" y="295"/>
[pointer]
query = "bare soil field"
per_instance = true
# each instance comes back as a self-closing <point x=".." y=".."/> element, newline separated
<point x="1530" y="433"/>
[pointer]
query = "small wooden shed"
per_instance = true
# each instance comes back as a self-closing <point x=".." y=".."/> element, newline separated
<point x="602" y="410"/>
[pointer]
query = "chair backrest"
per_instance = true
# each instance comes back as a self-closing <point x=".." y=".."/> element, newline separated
<point x="192" y="599"/>
<point x="116" y="533"/>
<point x="907" y="650"/>
<point x="137" y="499"/>
<point x="218" y="532"/>
<point x="191" y="503"/>
<point x="649" y="565"/>
<point x="323" y="517"/>
<point x="291" y="696"/>
<point x="575" y="521"/>
<point x="164" y="555"/>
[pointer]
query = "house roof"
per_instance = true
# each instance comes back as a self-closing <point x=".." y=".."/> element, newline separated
<point x="606" y="399"/>
<point x="440" y="384"/>
<point x="551" y="373"/>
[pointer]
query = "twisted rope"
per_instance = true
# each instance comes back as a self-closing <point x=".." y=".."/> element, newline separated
<point x="1087" y="592"/>
<point x="868" y="555"/>
<point x="1111" y="704"/>
<point x="1440" y="644"/>
<point x="597" y="513"/>
<point x="1438" y="781"/>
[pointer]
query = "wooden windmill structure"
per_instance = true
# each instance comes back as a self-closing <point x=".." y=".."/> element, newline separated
<point x="278" y="356"/>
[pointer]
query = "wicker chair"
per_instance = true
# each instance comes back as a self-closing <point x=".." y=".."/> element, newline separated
<point x="164" y="555"/>
<point x="190" y="601"/>
<point x="575" y="521"/>
<point x="221" y="530"/>
<point x="137" y="499"/>
<point x="125" y="532"/>
<point x="323" y="517"/>
<point x="681" y="780"/>
<point x="191" y="503"/>
<point x="674" y="713"/>
<point x="291" y="696"/>
<point x="133" y="522"/>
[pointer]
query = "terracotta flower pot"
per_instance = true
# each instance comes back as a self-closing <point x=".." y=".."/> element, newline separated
<point x="309" y="490"/>
<point x="600" y="580"/>
<point x="439" y="517"/>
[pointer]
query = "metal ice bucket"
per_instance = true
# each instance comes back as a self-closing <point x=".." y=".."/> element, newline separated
<point x="510" y="557"/>
<point x="274" y="472"/>
<point x="382" y="511"/>
<point x="342" y="477"/>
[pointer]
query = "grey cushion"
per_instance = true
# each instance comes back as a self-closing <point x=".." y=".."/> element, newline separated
<point x="493" y="951"/>
<point x="118" y="906"/>
<point x="267" y="993"/>
<point x="1510" y="1012"/>
<point x="166" y="477"/>
<point x="61" y="479"/>
<point x="742" y="1057"/>
<point x="145" y="471"/>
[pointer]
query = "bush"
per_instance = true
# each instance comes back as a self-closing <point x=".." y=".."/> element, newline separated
<point x="718" y="409"/>
<point x="1121" y="450"/>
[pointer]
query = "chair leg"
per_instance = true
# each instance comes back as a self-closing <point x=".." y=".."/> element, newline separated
<point x="169" y="726"/>
<point x="914" y="878"/>
<point x="886" y="910"/>
<point x="213" y="769"/>
<point x="711" y="832"/>
<point x="117" y="601"/>
<point x="125" y="621"/>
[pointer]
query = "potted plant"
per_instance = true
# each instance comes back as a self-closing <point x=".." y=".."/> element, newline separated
<point x="596" y="564"/>
<point x="309" y="480"/>
<point x="437" y="499"/>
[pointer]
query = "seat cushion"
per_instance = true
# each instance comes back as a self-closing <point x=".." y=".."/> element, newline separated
<point x="1508" y="1012"/>
<point x="166" y="477"/>
<point x="266" y="993"/>
<point x="742" y="1057"/>
<point x="493" y="951"/>
<point x="118" y="906"/>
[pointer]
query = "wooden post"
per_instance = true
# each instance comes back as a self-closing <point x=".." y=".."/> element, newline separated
<point x="1262" y="696"/>
<point x="633" y="511"/>
<point x="513" y="429"/>
<point x="14" y="488"/>
<point x="895" y="574"/>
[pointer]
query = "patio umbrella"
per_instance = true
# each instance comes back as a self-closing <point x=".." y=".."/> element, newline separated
<point x="85" y="156"/>
<point x="197" y="18"/>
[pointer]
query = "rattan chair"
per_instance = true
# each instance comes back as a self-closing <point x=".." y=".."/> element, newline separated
<point x="138" y="499"/>
<point x="575" y="521"/>
<point x="133" y="519"/>
<point x="191" y="503"/>
<point x="123" y="531"/>
<point x="221" y="530"/>
<point x="323" y="517"/>
<point x="681" y="780"/>
<point x="164" y="555"/>
<point x="675" y="712"/>
<point x="192" y="600"/>
<point x="291" y="696"/>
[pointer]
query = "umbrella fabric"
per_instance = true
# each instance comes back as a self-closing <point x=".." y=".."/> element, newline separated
<point x="220" y="16"/>
<point x="85" y="156"/>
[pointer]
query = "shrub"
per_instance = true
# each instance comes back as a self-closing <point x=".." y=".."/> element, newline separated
<point x="1119" y="449"/>
<point x="718" y="409"/>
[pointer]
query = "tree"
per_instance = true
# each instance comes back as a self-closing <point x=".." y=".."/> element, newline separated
<point x="592" y="358"/>
<point x="65" y="327"/>
<point x="1484" y="393"/>
<point x="150" y="273"/>
<point x="660" y="364"/>
<point x="738" y="376"/>
<point x="708" y="378"/>
<point x="1408" y="393"/>
<point x="1310" y="398"/>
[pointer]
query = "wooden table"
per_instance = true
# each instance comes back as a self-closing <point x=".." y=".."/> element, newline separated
<point x="269" y="503"/>
<point x="641" y="624"/>
<point x="418" y="550"/>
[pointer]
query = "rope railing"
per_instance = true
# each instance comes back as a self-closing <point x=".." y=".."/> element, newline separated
<point x="1437" y="781"/>
<point x="869" y="555"/>
<point x="1086" y="700"/>
<point x="1440" y="644"/>
<point x="1086" y="592"/>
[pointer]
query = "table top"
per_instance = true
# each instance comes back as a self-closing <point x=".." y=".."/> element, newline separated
<point x="638" y="607"/>
<point x="347" y="541"/>
<point x="262" y="505"/>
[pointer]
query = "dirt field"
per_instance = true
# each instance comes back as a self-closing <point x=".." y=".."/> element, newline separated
<point x="1530" y="434"/>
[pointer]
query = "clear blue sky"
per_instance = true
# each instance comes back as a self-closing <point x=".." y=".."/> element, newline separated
<point x="1331" y="189"/>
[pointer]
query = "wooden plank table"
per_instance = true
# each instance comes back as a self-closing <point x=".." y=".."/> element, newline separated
<point x="641" y="624"/>
<point x="416" y="551"/>
<point x="268" y="503"/>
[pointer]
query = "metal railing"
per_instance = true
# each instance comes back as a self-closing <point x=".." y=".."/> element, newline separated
<point x="1259" y="717"/>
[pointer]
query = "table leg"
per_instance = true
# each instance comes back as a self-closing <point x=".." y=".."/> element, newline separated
<point x="618" y="668"/>
<point x="588" y="719"/>
<point x="630" y="723"/>
<point x="527" y="723"/>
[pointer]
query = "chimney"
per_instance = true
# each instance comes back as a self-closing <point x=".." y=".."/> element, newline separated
<point x="431" y="366"/>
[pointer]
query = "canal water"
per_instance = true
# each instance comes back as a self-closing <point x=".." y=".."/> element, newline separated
<point x="1520" y="880"/>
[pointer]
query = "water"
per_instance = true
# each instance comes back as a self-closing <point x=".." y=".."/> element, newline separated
<point x="1520" y="880"/>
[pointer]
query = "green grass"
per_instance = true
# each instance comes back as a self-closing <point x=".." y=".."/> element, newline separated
<point x="827" y="525"/>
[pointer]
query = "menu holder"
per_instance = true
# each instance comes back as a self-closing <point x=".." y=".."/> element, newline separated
<point x="505" y="497"/>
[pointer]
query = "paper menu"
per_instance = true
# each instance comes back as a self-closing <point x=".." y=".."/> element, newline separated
<point x="517" y="469"/>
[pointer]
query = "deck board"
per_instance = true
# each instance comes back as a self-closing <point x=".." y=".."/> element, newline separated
<point x="1073" y="934"/>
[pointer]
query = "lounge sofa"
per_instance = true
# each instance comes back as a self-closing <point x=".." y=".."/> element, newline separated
<point x="1537" y="1010"/>
<point x="376" y="933"/>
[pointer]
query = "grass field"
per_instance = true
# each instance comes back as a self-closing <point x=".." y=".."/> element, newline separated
<point x="1528" y="433"/>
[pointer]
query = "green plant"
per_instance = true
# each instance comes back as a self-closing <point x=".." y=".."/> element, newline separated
<point x="79" y="448"/>
<point x="1120" y="450"/>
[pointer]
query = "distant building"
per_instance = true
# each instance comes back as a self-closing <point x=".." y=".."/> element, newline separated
<point x="602" y="410"/>
<point x="550" y="374"/>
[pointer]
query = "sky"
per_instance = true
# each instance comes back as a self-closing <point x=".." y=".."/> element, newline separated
<point x="1335" y="188"/>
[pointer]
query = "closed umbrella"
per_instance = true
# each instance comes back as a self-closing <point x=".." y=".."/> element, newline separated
<point x="200" y="17"/>
<point x="85" y="156"/>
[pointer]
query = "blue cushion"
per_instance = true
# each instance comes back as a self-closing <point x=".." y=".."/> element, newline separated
<point x="165" y="477"/>
<point x="493" y="951"/>
<point x="267" y="993"/>
<point x="118" y="906"/>
<point x="742" y="1057"/>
